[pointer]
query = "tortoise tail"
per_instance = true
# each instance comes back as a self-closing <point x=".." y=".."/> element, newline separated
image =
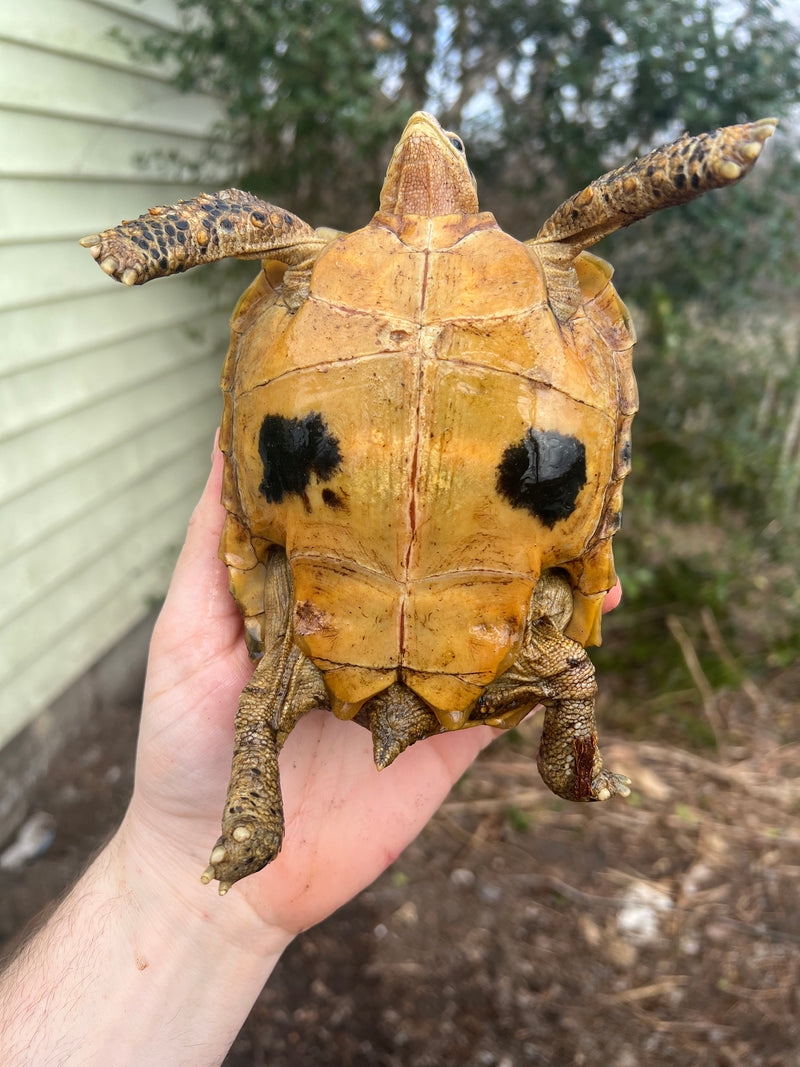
<point x="212" y="226"/>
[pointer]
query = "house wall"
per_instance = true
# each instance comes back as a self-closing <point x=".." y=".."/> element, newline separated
<point x="108" y="396"/>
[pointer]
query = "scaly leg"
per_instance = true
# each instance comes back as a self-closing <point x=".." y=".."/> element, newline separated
<point x="284" y="686"/>
<point x="174" y="238"/>
<point x="665" y="177"/>
<point x="556" y="671"/>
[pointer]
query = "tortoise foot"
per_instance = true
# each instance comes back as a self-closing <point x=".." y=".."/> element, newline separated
<point x="118" y="256"/>
<point x="607" y="785"/>
<point x="242" y="849"/>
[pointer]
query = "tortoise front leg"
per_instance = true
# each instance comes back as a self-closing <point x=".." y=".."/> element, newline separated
<point x="673" y="174"/>
<point x="556" y="671"/>
<point x="665" y="177"/>
<point x="168" y="240"/>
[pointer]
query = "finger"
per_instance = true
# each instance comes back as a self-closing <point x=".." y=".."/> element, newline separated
<point x="198" y="599"/>
<point x="613" y="597"/>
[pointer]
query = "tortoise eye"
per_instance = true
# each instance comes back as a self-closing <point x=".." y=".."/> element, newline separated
<point x="457" y="143"/>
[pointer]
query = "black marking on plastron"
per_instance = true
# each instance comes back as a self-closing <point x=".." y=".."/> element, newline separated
<point x="292" y="450"/>
<point x="543" y="473"/>
<point x="333" y="500"/>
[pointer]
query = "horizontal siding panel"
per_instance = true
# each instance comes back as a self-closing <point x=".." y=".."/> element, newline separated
<point x="44" y="508"/>
<point x="42" y="453"/>
<point x="42" y="625"/>
<point x="51" y="391"/>
<point x="90" y="614"/>
<point x="108" y="396"/>
<point x="32" y="274"/>
<point x="32" y="686"/>
<point x="38" y="145"/>
<point x="35" y="574"/>
<point x="103" y="319"/>
<point x="36" y="80"/>
<point x="54" y="272"/>
<point x="83" y="28"/>
<point x="40" y="209"/>
<point x="157" y="13"/>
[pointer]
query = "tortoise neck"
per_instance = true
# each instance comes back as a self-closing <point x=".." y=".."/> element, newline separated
<point x="423" y="180"/>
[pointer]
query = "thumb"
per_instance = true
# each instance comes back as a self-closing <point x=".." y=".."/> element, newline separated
<point x="198" y="602"/>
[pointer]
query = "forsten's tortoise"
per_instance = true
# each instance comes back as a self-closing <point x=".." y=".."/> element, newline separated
<point x="426" y="430"/>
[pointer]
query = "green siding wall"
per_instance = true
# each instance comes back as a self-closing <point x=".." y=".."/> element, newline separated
<point x="108" y="397"/>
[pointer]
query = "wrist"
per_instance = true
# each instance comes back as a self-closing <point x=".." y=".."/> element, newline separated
<point x="134" y="969"/>
<point x="166" y="896"/>
<point x="196" y="966"/>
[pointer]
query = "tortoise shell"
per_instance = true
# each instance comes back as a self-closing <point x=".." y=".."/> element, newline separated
<point x="426" y="429"/>
<point x="424" y="438"/>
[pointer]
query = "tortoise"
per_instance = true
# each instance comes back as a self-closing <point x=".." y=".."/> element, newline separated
<point x="426" y="431"/>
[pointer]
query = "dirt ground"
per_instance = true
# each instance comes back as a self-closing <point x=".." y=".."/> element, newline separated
<point x="520" y="930"/>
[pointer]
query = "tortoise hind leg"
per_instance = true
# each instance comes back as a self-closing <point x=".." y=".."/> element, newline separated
<point x="556" y="671"/>
<point x="284" y="686"/>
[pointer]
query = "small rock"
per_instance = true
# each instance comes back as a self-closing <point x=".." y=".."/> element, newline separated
<point x="592" y="934"/>
<point x="696" y="877"/>
<point x="690" y="945"/>
<point x="619" y="953"/>
<point x="462" y="876"/>
<point x="113" y="774"/>
<point x="33" y="839"/>
<point x="626" y="1057"/>
<point x="489" y="893"/>
<point x="407" y="914"/>
<point x="642" y="907"/>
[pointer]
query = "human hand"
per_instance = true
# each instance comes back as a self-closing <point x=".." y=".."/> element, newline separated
<point x="345" y="821"/>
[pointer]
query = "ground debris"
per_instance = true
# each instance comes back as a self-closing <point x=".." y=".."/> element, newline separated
<point x="503" y="935"/>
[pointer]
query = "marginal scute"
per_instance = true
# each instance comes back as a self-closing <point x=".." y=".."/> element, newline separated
<point x="236" y="547"/>
<point x="247" y="588"/>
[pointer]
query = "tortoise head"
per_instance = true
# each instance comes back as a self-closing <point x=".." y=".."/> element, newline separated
<point x="428" y="173"/>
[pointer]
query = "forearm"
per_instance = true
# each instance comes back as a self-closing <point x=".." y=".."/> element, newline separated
<point x="116" y="976"/>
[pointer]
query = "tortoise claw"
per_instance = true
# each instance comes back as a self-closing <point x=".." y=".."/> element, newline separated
<point x="763" y="129"/>
<point x="607" y="785"/>
<point x="239" y="852"/>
